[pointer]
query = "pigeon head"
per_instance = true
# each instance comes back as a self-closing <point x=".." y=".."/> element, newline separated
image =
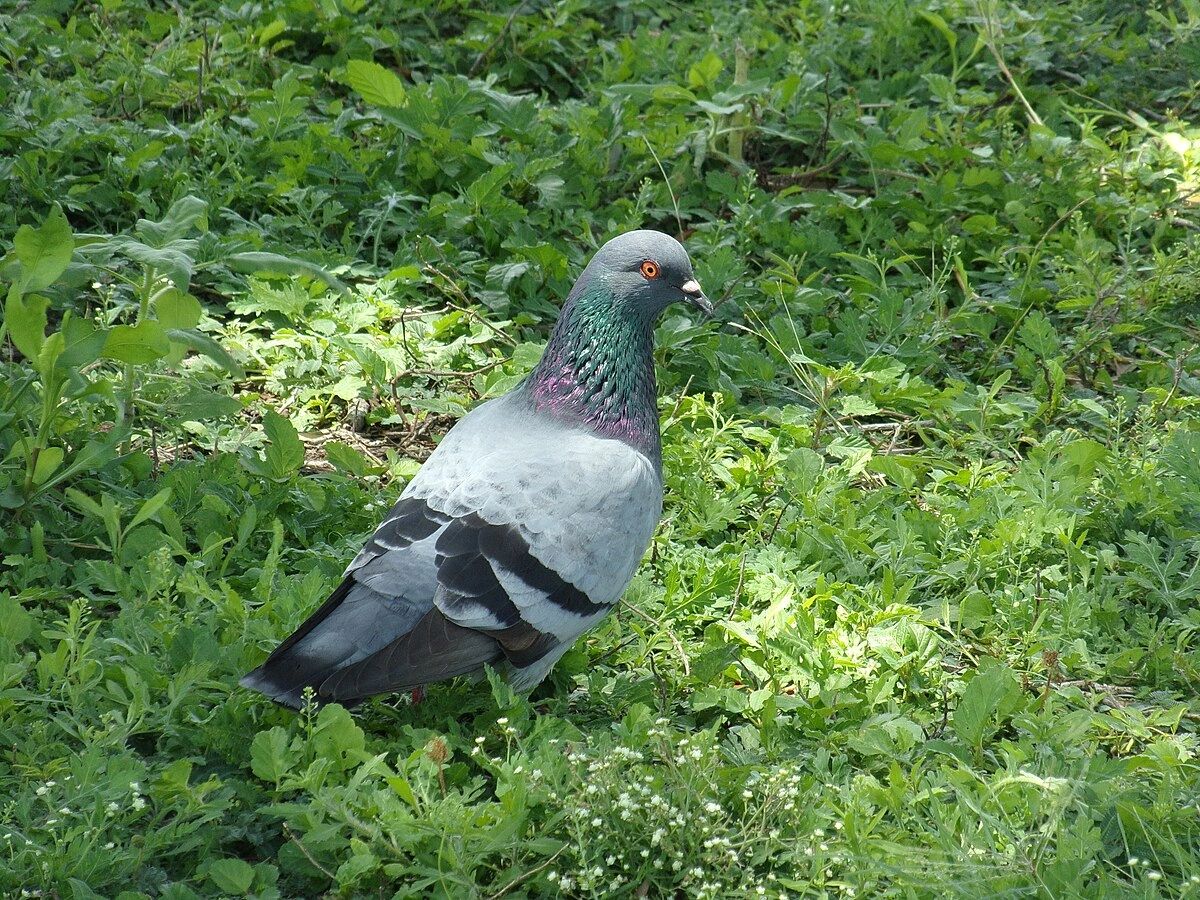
<point x="646" y="271"/>
<point x="598" y="368"/>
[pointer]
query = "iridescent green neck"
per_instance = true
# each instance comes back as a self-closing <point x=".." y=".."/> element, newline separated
<point x="598" y="369"/>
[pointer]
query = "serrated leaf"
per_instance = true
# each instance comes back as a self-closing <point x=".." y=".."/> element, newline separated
<point x="15" y="624"/>
<point x="704" y="72"/>
<point x="270" y="756"/>
<point x="139" y="344"/>
<point x="855" y="405"/>
<point x="233" y="876"/>
<point x="337" y="738"/>
<point x="804" y="466"/>
<point x="285" y="453"/>
<point x="346" y="459"/>
<point x="356" y="867"/>
<point x="44" y="251"/>
<point x="986" y="694"/>
<point x="377" y="85"/>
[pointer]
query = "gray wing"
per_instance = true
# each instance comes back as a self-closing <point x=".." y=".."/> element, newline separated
<point x="515" y="537"/>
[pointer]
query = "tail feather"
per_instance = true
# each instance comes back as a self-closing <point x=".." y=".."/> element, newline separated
<point x="434" y="650"/>
<point x="354" y="623"/>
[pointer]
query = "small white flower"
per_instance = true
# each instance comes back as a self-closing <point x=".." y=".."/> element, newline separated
<point x="1154" y="876"/>
<point x="139" y="803"/>
<point x="42" y="791"/>
<point x="503" y="720"/>
<point x="109" y="845"/>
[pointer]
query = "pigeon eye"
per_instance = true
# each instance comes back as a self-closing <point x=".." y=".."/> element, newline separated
<point x="649" y="269"/>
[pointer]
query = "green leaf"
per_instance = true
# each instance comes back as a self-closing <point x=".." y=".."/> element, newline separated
<point x="200" y="404"/>
<point x="285" y="453"/>
<point x="854" y="405"/>
<point x="705" y="72"/>
<point x="44" y="252"/>
<point x="1084" y="455"/>
<point x="346" y="459"/>
<point x="83" y="343"/>
<point x="15" y="624"/>
<point x="185" y="215"/>
<point x="377" y="85"/>
<point x="48" y="356"/>
<point x="403" y="789"/>
<point x="175" y="262"/>
<point x="141" y="343"/>
<point x="206" y="346"/>
<point x="989" y="692"/>
<point x="177" y="309"/>
<point x="47" y="462"/>
<point x="233" y="876"/>
<point x="85" y="503"/>
<point x="939" y="24"/>
<point x="26" y="319"/>
<point x="804" y="466"/>
<point x="149" y="508"/>
<point x="337" y="738"/>
<point x="258" y="261"/>
<point x="356" y="867"/>
<point x="270" y="756"/>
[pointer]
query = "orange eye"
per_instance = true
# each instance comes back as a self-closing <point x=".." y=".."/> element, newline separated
<point x="649" y="269"/>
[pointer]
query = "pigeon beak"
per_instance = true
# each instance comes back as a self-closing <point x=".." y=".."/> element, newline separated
<point x="695" y="297"/>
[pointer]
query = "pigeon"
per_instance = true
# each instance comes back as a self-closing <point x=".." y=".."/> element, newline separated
<point x="526" y="523"/>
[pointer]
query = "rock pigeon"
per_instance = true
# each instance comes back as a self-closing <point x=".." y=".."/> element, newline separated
<point x="525" y="525"/>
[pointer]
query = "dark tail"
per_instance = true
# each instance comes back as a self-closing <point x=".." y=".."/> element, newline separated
<point x="361" y="642"/>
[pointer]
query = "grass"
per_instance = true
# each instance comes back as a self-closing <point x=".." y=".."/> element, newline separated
<point x="920" y="619"/>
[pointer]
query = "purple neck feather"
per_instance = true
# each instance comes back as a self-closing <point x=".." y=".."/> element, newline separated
<point x="598" y="370"/>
